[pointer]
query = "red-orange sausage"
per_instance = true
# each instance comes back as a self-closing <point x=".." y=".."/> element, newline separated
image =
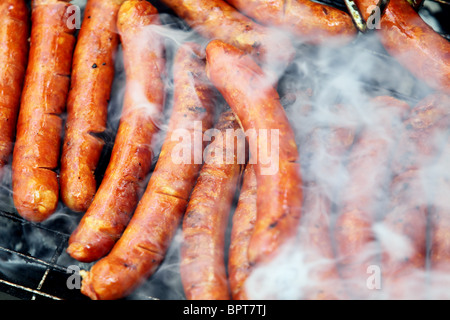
<point x="132" y="155"/>
<point x="216" y="19"/>
<point x="310" y="21"/>
<point x="404" y="266"/>
<point x="315" y="239"/>
<point x="413" y="42"/>
<point x="256" y="103"/>
<point x="13" y="63"/>
<point x="244" y="218"/>
<point x="143" y="245"/>
<point x="202" y="266"/>
<point x="39" y="126"/>
<point x="92" y="77"/>
<point x="368" y="174"/>
<point x="433" y="123"/>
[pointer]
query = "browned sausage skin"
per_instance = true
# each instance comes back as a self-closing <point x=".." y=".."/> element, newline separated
<point x="413" y="43"/>
<point x="216" y="19"/>
<point x="315" y="239"/>
<point x="143" y="245"/>
<point x="368" y="173"/>
<point x="307" y="20"/>
<point x="92" y="77"/>
<point x="202" y="266"/>
<point x="13" y="63"/>
<point x="131" y="158"/>
<point x="256" y="103"/>
<point x="244" y="218"/>
<point x="39" y="126"/>
<point x="408" y="211"/>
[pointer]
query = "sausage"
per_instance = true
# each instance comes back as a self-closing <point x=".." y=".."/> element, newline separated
<point x="408" y="215"/>
<point x="142" y="246"/>
<point x="413" y="43"/>
<point x="202" y="266"/>
<point x="132" y="154"/>
<point x="243" y="222"/>
<point x="403" y="261"/>
<point x="361" y="197"/>
<point x="315" y="241"/>
<point x="92" y="77"/>
<point x="310" y="21"/>
<point x="216" y="19"/>
<point x="279" y="194"/>
<point x="39" y="125"/>
<point x="429" y="136"/>
<point x="13" y="57"/>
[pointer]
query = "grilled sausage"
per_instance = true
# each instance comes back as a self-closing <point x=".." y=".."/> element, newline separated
<point x="413" y="43"/>
<point x="13" y="56"/>
<point x="315" y="241"/>
<point x="408" y="212"/>
<point x="310" y="21"/>
<point x="92" y="77"/>
<point x="216" y="19"/>
<point x="243" y="222"/>
<point x="368" y="175"/>
<point x="429" y="126"/>
<point x="142" y="246"/>
<point x="132" y="154"/>
<point x="39" y="126"/>
<point x="202" y="266"/>
<point x="256" y="104"/>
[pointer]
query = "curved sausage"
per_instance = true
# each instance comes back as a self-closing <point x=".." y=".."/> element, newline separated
<point x="310" y="21"/>
<point x="315" y="240"/>
<point x="143" y="245"/>
<point x="39" y="126"/>
<point x="243" y="222"/>
<point x="216" y="19"/>
<point x="360" y="202"/>
<point x="92" y="77"/>
<point x="132" y="154"/>
<point x="14" y="48"/>
<point x="415" y="45"/>
<point x="256" y="104"/>
<point x="202" y="266"/>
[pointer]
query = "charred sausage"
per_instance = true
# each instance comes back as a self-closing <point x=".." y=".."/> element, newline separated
<point x="39" y="125"/>
<point x="92" y="77"/>
<point x="143" y="245"/>
<point x="216" y="19"/>
<point x="310" y="21"/>
<point x="243" y="222"/>
<point x="132" y="154"/>
<point x="413" y="42"/>
<point x="360" y="202"/>
<point x="256" y="103"/>
<point x="202" y="266"/>
<point x="13" y="56"/>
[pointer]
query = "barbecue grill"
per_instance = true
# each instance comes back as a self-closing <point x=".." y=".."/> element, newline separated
<point x="33" y="261"/>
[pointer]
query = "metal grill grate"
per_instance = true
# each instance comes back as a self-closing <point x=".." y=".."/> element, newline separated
<point x="33" y="261"/>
